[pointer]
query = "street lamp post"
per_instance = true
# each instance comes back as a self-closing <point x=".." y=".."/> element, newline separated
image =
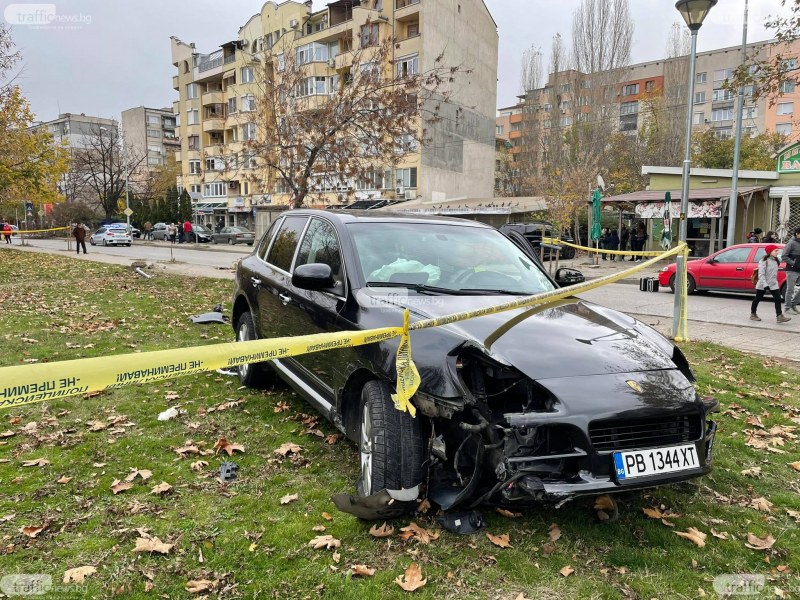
<point x="694" y="13"/>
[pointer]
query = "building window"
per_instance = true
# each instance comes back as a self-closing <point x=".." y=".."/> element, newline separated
<point x="405" y="143"/>
<point x="212" y="164"/>
<point x="232" y="105"/>
<point x="722" y="95"/>
<point x="699" y="97"/>
<point x="154" y="148"/>
<point x="195" y="188"/>
<point x="194" y="142"/>
<point x="406" y="177"/>
<point x="191" y="91"/>
<point x="249" y="160"/>
<point x="630" y="89"/>
<point x="725" y="133"/>
<point x="154" y="132"/>
<point x="214" y="190"/>
<point x="248" y="103"/>
<point x="369" y="35"/>
<point x="749" y="112"/>
<point x="789" y="64"/>
<point x="628" y="108"/>
<point x="787" y="87"/>
<point x="499" y="129"/>
<point x="194" y="167"/>
<point x="701" y="77"/>
<point x="153" y="161"/>
<point x="649" y="86"/>
<point x="247" y="75"/>
<point x="783" y="128"/>
<point x="153" y="119"/>
<point x="723" y="74"/>
<point x="192" y="117"/>
<point x="566" y="121"/>
<point x="407" y="66"/>
<point x="785" y="108"/>
<point x="698" y="118"/>
<point x="722" y="114"/>
<point x="248" y="132"/>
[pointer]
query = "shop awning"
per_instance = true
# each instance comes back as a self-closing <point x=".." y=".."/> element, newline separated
<point x="471" y="206"/>
<point x="697" y="195"/>
<point x="779" y="191"/>
<point x="207" y="208"/>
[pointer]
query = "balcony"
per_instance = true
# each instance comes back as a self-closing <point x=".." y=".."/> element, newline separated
<point x="216" y="97"/>
<point x="171" y="140"/>
<point x="175" y="85"/>
<point x="405" y="8"/>
<point x="210" y="61"/>
<point x="230" y="58"/>
<point x="214" y="124"/>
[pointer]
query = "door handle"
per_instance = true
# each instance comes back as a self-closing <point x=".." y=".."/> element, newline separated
<point x="285" y="298"/>
<point x="740" y="268"/>
<point x="256" y="282"/>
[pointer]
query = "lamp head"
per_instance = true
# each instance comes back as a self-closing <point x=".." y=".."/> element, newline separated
<point x="694" y="12"/>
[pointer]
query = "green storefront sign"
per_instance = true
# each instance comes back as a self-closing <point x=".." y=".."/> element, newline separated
<point x="789" y="159"/>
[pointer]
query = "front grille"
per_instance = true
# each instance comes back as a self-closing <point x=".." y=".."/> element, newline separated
<point x="644" y="433"/>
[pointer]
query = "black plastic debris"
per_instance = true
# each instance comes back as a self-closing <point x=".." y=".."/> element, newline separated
<point x="210" y="317"/>
<point x="463" y="523"/>
<point x="386" y="504"/>
<point x="228" y="471"/>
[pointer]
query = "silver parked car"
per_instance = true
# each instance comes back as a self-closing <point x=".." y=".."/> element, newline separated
<point x="234" y="235"/>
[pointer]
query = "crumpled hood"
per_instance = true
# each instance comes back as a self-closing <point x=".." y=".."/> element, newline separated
<point x="565" y="338"/>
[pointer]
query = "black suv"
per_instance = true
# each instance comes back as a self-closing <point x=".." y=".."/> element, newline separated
<point x="533" y="233"/>
<point x="546" y="402"/>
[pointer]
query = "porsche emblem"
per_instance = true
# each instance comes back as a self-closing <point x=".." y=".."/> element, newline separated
<point x="634" y="386"/>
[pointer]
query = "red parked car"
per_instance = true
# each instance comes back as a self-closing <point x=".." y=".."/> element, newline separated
<point x="728" y="270"/>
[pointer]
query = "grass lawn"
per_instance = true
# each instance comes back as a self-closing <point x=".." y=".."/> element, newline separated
<point x="240" y="540"/>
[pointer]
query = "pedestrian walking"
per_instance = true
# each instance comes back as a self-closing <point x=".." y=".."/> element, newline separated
<point x="603" y="242"/>
<point x="641" y="239"/>
<point x="187" y="231"/>
<point x="172" y="232"/>
<point x="770" y="238"/>
<point x="791" y="256"/>
<point x="79" y="233"/>
<point x="148" y="231"/>
<point x="755" y="236"/>
<point x="768" y="281"/>
<point x="7" y="231"/>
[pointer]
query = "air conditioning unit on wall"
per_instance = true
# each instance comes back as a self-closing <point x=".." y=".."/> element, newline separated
<point x="293" y="23"/>
<point x="399" y="190"/>
<point x="410" y="195"/>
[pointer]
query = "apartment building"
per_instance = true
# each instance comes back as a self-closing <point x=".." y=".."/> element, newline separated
<point x="623" y="97"/>
<point x="218" y="95"/>
<point x="150" y="135"/>
<point x="76" y="131"/>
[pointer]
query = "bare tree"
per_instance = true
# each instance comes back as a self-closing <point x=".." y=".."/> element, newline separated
<point x="602" y="35"/>
<point x="532" y="76"/>
<point x="321" y="136"/>
<point x="100" y="166"/>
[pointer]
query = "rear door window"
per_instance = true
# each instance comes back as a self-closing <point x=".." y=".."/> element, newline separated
<point x="265" y="241"/>
<point x="282" y="250"/>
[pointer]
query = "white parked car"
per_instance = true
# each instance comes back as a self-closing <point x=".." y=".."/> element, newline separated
<point x="111" y="236"/>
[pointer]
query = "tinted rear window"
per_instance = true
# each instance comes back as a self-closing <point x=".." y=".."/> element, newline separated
<point x="282" y="251"/>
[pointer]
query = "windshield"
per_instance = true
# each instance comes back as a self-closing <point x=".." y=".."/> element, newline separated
<point x="445" y="257"/>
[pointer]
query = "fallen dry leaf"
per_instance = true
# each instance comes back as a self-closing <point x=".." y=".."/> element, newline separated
<point x="324" y="541"/>
<point x="118" y="486"/>
<point x="507" y="513"/>
<point x="36" y="462"/>
<point x="288" y="448"/>
<point x="694" y="535"/>
<point x="384" y="530"/>
<point x="98" y="425"/>
<point x="288" y="498"/>
<point x="566" y="571"/>
<point x="161" y="488"/>
<point x="722" y="535"/>
<point x="327" y="516"/>
<point x="604" y="502"/>
<point x="501" y="540"/>
<point x="184" y="450"/>
<point x="318" y="528"/>
<point x="171" y="396"/>
<point x="143" y="473"/>
<point x="761" y="504"/>
<point x="31" y="530"/>
<point x="553" y="532"/>
<point x="424" y="506"/>
<point x="78" y="574"/>
<point x="795" y="465"/>
<point x="225" y="446"/>
<point x="152" y="545"/>
<point x="64" y="479"/>
<point x="198" y="465"/>
<point x="759" y="543"/>
<point x="8" y="434"/>
<point x="412" y="578"/>
<point x="362" y="571"/>
<point x="415" y="532"/>
<point x="198" y="586"/>
<point x="754" y="472"/>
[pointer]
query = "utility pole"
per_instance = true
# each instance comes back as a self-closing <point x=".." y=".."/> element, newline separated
<point x="733" y="203"/>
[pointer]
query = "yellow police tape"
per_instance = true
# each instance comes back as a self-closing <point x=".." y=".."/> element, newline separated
<point x="27" y="231"/>
<point x="26" y="384"/>
<point x="601" y="250"/>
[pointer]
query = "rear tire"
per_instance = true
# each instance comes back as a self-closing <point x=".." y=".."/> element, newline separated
<point x="253" y="375"/>
<point x="230" y="242"/>
<point x="390" y="443"/>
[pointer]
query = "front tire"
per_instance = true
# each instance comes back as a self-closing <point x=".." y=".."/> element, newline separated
<point x="691" y="285"/>
<point x="230" y="242"/>
<point x="253" y="375"/>
<point x="390" y="443"/>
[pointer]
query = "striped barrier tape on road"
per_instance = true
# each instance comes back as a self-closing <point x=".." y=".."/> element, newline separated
<point x="27" y="231"/>
<point x="26" y="384"/>
<point x="601" y="250"/>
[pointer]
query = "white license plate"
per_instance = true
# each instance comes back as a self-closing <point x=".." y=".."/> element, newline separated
<point x="640" y="463"/>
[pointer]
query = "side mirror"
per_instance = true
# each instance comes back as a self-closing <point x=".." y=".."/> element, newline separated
<point x="314" y="277"/>
<point x="711" y="261"/>
<point x="566" y="276"/>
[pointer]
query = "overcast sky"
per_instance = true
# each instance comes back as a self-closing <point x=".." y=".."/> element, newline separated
<point x="116" y="53"/>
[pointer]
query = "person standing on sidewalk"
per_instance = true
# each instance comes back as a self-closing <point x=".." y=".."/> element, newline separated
<point x="148" y="231"/>
<point x="768" y="280"/>
<point x="80" y="238"/>
<point x="624" y="235"/>
<point x="791" y="255"/>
